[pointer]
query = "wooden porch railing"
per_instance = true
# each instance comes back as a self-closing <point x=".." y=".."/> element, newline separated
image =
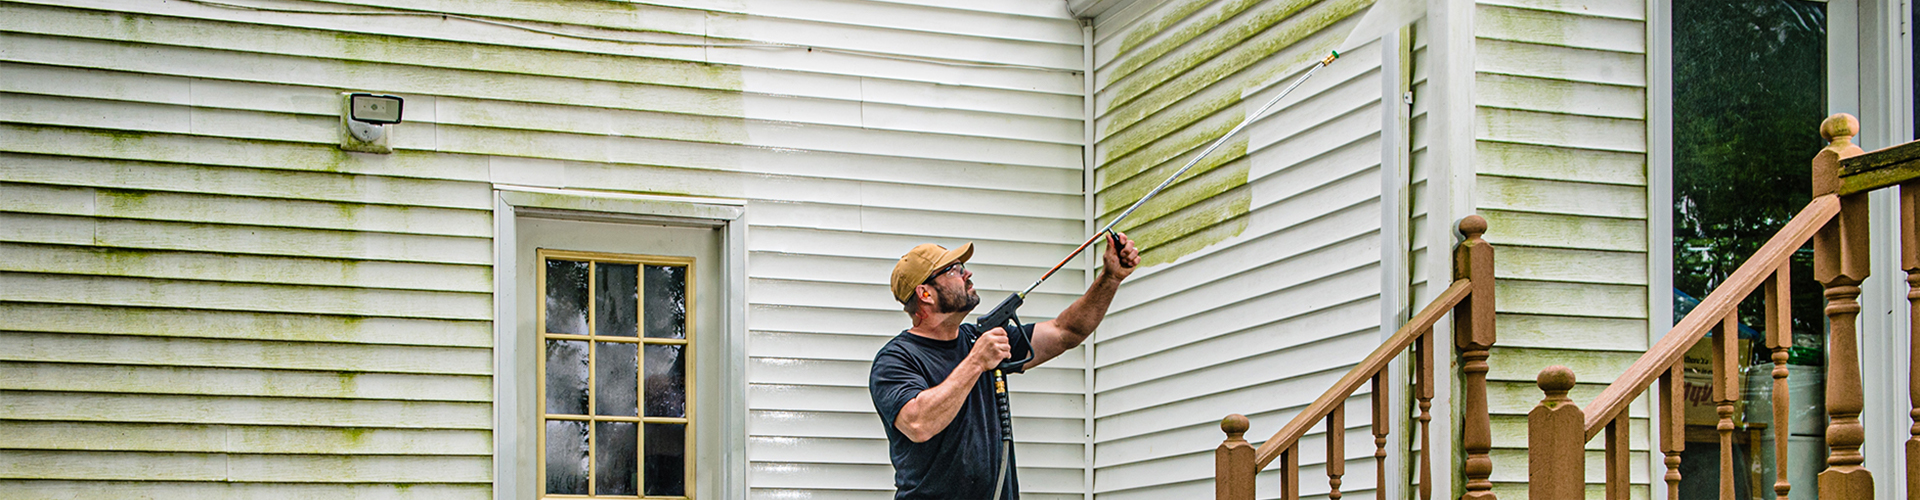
<point x="1470" y="299"/>
<point x="1836" y="221"/>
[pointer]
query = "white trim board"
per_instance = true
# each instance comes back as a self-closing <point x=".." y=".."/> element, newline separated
<point x="1659" y="197"/>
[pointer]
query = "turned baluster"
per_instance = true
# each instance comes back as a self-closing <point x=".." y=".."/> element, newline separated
<point x="1290" y="473"/>
<point x="1726" y="390"/>
<point x="1381" y="427"/>
<point x="1673" y="425"/>
<point x="1779" y="289"/>
<point x="1336" y="448"/>
<point x="1423" y="392"/>
<point x="1617" y="441"/>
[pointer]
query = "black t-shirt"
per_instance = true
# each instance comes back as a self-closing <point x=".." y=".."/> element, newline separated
<point x="961" y="461"/>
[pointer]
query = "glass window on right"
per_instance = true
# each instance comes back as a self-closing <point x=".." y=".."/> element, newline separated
<point x="1749" y="90"/>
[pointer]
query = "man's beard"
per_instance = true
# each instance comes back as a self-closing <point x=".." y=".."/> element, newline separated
<point x="953" y="301"/>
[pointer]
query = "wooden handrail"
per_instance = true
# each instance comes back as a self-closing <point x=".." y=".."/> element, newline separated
<point x="1711" y="311"/>
<point x="1470" y="300"/>
<point x="1361" y="373"/>
<point x="1881" y="168"/>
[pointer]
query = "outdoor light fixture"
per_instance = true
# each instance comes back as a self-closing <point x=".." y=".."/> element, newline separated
<point x="375" y="108"/>
<point x="366" y="119"/>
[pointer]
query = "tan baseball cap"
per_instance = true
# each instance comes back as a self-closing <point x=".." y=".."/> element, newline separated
<point x="917" y="264"/>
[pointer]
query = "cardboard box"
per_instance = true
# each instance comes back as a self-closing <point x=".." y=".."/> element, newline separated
<point x="1697" y="368"/>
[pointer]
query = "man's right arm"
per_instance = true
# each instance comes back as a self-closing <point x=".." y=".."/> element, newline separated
<point x="930" y="411"/>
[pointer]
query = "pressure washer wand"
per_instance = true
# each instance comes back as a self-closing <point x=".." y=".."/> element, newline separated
<point x="1006" y="314"/>
<point x="1331" y="56"/>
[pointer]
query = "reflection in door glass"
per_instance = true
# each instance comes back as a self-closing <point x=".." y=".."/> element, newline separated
<point x="566" y="297"/>
<point x="666" y="381"/>
<point x="1749" y="93"/>
<point x="566" y="457"/>
<point x="616" y="294"/>
<point x="615" y="368"/>
<point x="1749" y="83"/>
<point x="614" y="460"/>
<point x="567" y="377"/>
<point x="666" y="307"/>
<point x="666" y="459"/>
<point x="615" y="339"/>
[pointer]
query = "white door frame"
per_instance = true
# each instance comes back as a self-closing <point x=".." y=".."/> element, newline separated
<point x="513" y="474"/>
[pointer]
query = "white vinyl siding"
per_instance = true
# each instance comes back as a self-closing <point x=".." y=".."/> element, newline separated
<point x="207" y="298"/>
<point x="1262" y="282"/>
<point x="1560" y="160"/>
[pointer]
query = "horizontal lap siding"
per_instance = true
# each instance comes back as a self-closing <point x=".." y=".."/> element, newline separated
<point x="207" y="298"/>
<point x="1560" y="155"/>
<point x="1262" y="279"/>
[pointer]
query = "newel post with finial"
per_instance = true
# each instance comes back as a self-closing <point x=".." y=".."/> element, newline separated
<point x="1556" y="441"/>
<point x="1233" y="466"/>
<point x="1474" y="337"/>
<point x="1840" y="264"/>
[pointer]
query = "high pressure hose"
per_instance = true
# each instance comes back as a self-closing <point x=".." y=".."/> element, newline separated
<point x="1006" y="431"/>
<point x="1000" y="483"/>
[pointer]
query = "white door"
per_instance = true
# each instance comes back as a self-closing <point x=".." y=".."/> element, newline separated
<point x="619" y="339"/>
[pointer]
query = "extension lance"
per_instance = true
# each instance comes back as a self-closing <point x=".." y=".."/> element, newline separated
<point x="1005" y="315"/>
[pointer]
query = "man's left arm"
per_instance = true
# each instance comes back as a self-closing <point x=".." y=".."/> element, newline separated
<point x="1077" y="321"/>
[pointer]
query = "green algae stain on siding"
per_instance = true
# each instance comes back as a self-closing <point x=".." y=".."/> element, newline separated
<point x="1193" y="188"/>
<point x="1152" y="105"/>
<point x="1134" y="62"/>
<point x="1259" y="36"/>
<point x="1124" y="166"/>
<point x="1216" y="58"/>
<point x="534" y="61"/>
<point x="1551" y="28"/>
<point x="1174" y="14"/>
<point x="1215" y="218"/>
<point x="1197" y="239"/>
<point x="1203" y="207"/>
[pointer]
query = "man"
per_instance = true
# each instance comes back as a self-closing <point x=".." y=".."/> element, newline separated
<point x="943" y="426"/>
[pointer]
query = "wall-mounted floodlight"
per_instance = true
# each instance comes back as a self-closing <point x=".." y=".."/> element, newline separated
<point x="366" y="119"/>
<point x="376" y="109"/>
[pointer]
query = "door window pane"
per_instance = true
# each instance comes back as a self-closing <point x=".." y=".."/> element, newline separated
<point x="666" y="302"/>
<point x="566" y="457"/>
<point x="616" y="297"/>
<point x="614" y="458"/>
<point x="567" y="377"/>
<point x="666" y="459"/>
<point x="566" y="297"/>
<point x="666" y="381"/>
<point x="614" y="371"/>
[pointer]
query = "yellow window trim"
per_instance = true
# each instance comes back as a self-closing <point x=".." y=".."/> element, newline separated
<point x="540" y="320"/>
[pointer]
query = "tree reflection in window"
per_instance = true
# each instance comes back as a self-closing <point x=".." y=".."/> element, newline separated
<point x="1749" y="81"/>
<point x="616" y="403"/>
